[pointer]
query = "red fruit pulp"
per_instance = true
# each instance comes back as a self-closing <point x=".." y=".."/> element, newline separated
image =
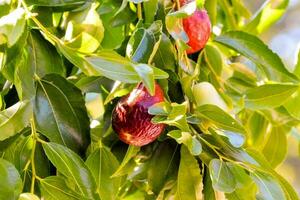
<point x="131" y="120"/>
<point x="197" y="28"/>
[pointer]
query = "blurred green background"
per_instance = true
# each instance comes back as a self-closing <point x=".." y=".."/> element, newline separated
<point x="284" y="39"/>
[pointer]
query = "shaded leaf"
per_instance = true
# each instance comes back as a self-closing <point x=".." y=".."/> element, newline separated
<point x="14" y="119"/>
<point x="60" y="112"/>
<point x="70" y="165"/>
<point x="55" y="187"/>
<point x="10" y="181"/>
<point x="102" y="164"/>
<point x="131" y="152"/>
<point x="189" y="183"/>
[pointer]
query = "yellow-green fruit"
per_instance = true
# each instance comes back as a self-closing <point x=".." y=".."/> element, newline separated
<point x="205" y="93"/>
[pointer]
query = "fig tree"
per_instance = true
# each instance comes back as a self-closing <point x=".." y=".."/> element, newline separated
<point x="131" y="120"/>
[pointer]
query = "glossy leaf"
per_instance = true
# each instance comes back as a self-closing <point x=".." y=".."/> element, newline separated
<point x="213" y="59"/>
<point x="13" y="25"/>
<point x="268" y="187"/>
<point x="162" y="166"/>
<point x="131" y="152"/>
<point x="150" y="9"/>
<point x="191" y="142"/>
<point x="269" y="95"/>
<point x="55" y="187"/>
<point x="70" y="165"/>
<point x="14" y="119"/>
<point x="221" y="176"/>
<point x="116" y="67"/>
<point x="40" y="58"/>
<point x="219" y="118"/>
<point x="165" y="55"/>
<point x="275" y="148"/>
<point x="143" y="43"/>
<point x="10" y="181"/>
<point x="254" y="49"/>
<point x="102" y="164"/>
<point x="189" y="183"/>
<point x="62" y="103"/>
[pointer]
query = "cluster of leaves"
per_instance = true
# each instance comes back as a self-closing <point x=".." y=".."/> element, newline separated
<point x="64" y="64"/>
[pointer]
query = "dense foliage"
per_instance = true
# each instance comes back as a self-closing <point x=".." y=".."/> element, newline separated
<point x="228" y="109"/>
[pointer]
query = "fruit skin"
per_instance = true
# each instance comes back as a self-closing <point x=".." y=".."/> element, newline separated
<point x="197" y="28"/>
<point x="131" y="120"/>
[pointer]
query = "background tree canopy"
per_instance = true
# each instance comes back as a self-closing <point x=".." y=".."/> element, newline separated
<point x="228" y="109"/>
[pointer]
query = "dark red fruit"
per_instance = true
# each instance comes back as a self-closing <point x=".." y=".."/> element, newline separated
<point x="131" y="120"/>
<point x="197" y="28"/>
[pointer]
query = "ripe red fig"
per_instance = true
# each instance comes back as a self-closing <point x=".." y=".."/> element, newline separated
<point x="197" y="28"/>
<point x="131" y="120"/>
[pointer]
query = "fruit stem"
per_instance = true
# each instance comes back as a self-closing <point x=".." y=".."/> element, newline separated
<point x="139" y="11"/>
<point x="34" y="137"/>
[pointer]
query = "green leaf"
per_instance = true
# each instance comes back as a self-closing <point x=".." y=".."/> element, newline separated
<point x="297" y="66"/>
<point x="268" y="14"/>
<point x="269" y="188"/>
<point x="150" y="9"/>
<point x="219" y="118"/>
<point x="253" y="48"/>
<point x="189" y="182"/>
<point x="257" y="125"/>
<point x="13" y="25"/>
<point x="211" y="7"/>
<point x="275" y="148"/>
<point x="61" y="103"/>
<point x="239" y="174"/>
<point x="191" y="142"/>
<point x="205" y="93"/>
<point x="131" y="152"/>
<point x="269" y="95"/>
<point x="113" y="36"/>
<point x="70" y="165"/>
<point x="213" y="59"/>
<point x="40" y="58"/>
<point x="55" y="187"/>
<point x="165" y="54"/>
<point x="84" y="31"/>
<point x="208" y="190"/>
<point x="291" y="104"/>
<point x="162" y="166"/>
<point x="19" y="152"/>
<point x="175" y="28"/>
<point x="116" y="67"/>
<point x="176" y="117"/>
<point x="147" y="75"/>
<point x="56" y="3"/>
<point x="14" y="119"/>
<point x="102" y="164"/>
<point x="143" y="43"/>
<point x="10" y="181"/>
<point x="221" y="176"/>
